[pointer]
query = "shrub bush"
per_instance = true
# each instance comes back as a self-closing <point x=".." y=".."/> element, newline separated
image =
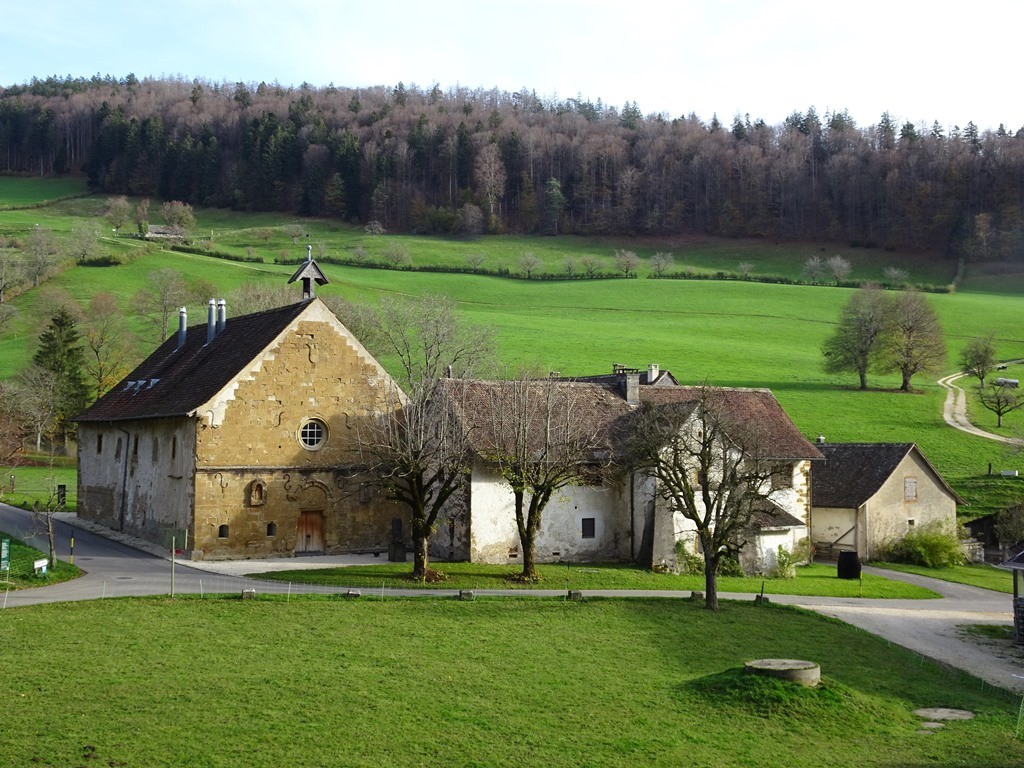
<point x="688" y="563"/>
<point x="933" y="546"/>
<point x="785" y="564"/>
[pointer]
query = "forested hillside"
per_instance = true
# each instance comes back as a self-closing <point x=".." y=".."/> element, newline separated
<point x="446" y="160"/>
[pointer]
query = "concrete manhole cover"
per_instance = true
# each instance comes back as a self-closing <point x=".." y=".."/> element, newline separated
<point x="803" y="672"/>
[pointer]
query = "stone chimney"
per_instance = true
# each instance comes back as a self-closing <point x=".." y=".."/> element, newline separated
<point x="631" y="388"/>
<point x="182" y="326"/>
<point x="653" y="371"/>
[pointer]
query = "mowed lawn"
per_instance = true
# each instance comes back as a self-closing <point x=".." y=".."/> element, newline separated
<point x="814" y="579"/>
<point x="218" y="682"/>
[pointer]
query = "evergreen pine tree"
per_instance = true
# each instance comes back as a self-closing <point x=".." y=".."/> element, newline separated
<point x="60" y="352"/>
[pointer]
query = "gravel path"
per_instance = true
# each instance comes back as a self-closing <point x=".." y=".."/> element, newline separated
<point x="954" y="410"/>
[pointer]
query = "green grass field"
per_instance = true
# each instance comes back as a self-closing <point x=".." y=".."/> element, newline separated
<point x="18" y="191"/>
<point x="811" y="580"/>
<point x="217" y="682"/>
<point x="724" y="332"/>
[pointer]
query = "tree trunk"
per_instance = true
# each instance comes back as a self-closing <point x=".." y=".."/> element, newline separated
<point x="905" y="387"/>
<point x="49" y="534"/>
<point x="529" y="564"/>
<point x="710" y="582"/>
<point x="863" y="379"/>
<point x="421" y="562"/>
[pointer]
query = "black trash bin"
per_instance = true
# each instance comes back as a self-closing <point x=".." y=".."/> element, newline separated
<point x="848" y="566"/>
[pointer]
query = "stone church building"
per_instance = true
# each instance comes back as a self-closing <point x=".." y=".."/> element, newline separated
<point x="236" y="438"/>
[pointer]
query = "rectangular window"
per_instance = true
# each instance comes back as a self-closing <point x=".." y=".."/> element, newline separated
<point x="174" y="448"/>
<point x="588" y="528"/>
<point x="99" y="442"/>
<point x="910" y="489"/>
<point x="135" y="446"/>
<point x="117" y="450"/>
<point x="156" y="449"/>
<point x="365" y="492"/>
<point x="702" y="478"/>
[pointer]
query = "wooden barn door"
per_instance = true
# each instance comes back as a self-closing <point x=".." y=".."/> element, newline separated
<point x="310" y="536"/>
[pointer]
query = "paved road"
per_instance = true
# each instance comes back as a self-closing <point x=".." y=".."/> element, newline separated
<point x="929" y="627"/>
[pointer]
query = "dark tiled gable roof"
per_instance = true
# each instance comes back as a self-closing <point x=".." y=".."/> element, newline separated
<point x="753" y="406"/>
<point x="174" y="382"/>
<point x="853" y="472"/>
<point x="607" y="412"/>
<point x="473" y="401"/>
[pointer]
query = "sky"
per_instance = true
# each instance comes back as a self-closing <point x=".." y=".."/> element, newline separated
<point x="921" y="62"/>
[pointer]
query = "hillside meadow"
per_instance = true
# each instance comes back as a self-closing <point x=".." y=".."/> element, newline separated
<point x="724" y="332"/>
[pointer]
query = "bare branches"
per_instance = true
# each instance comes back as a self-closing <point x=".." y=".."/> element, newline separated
<point x="711" y="467"/>
<point x="540" y="439"/>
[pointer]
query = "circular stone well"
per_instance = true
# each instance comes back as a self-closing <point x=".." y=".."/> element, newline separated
<point x="803" y="672"/>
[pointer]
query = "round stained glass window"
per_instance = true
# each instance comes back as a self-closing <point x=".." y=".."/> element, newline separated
<point x="313" y="434"/>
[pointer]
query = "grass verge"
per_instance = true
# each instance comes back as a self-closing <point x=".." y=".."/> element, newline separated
<point x="22" y="574"/>
<point x="220" y="682"/>
<point x="811" y="580"/>
<point x="974" y="574"/>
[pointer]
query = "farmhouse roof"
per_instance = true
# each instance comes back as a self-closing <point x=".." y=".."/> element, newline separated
<point x="604" y="412"/>
<point x="854" y="472"/>
<point x="756" y="407"/>
<point x="598" y="410"/>
<point x="175" y="381"/>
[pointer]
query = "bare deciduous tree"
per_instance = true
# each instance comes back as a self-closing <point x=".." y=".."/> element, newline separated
<point x="84" y="243"/>
<point x="626" y="261"/>
<point x="1001" y="399"/>
<point x="294" y="231"/>
<point x="41" y="249"/>
<point x="541" y="440"/>
<point x="529" y="263"/>
<point x="417" y="446"/>
<point x="165" y="291"/>
<point x="814" y="268"/>
<point x="118" y="213"/>
<point x="914" y="343"/>
<point x="661" y="262"/>
<point x="178" y="217"/>
<point x="895" y="275"/>
<point x="490" y="176"/>
<point x="711" y="467"/>
<point x="859" y="337"/>
<point x="590" y="264"/>
<point x="396" y="254"/>
<point x="745" y="268"/>
<point x="108" y="343"/>
<point x="475" y="260"/>
<point x="978" y="357"/>
<point x="11" y="273"/>
<point x="839" y="267"/>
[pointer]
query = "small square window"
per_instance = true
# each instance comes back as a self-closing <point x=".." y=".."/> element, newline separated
<point x="222" y="532"/>
<point x="589" y="528"/>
